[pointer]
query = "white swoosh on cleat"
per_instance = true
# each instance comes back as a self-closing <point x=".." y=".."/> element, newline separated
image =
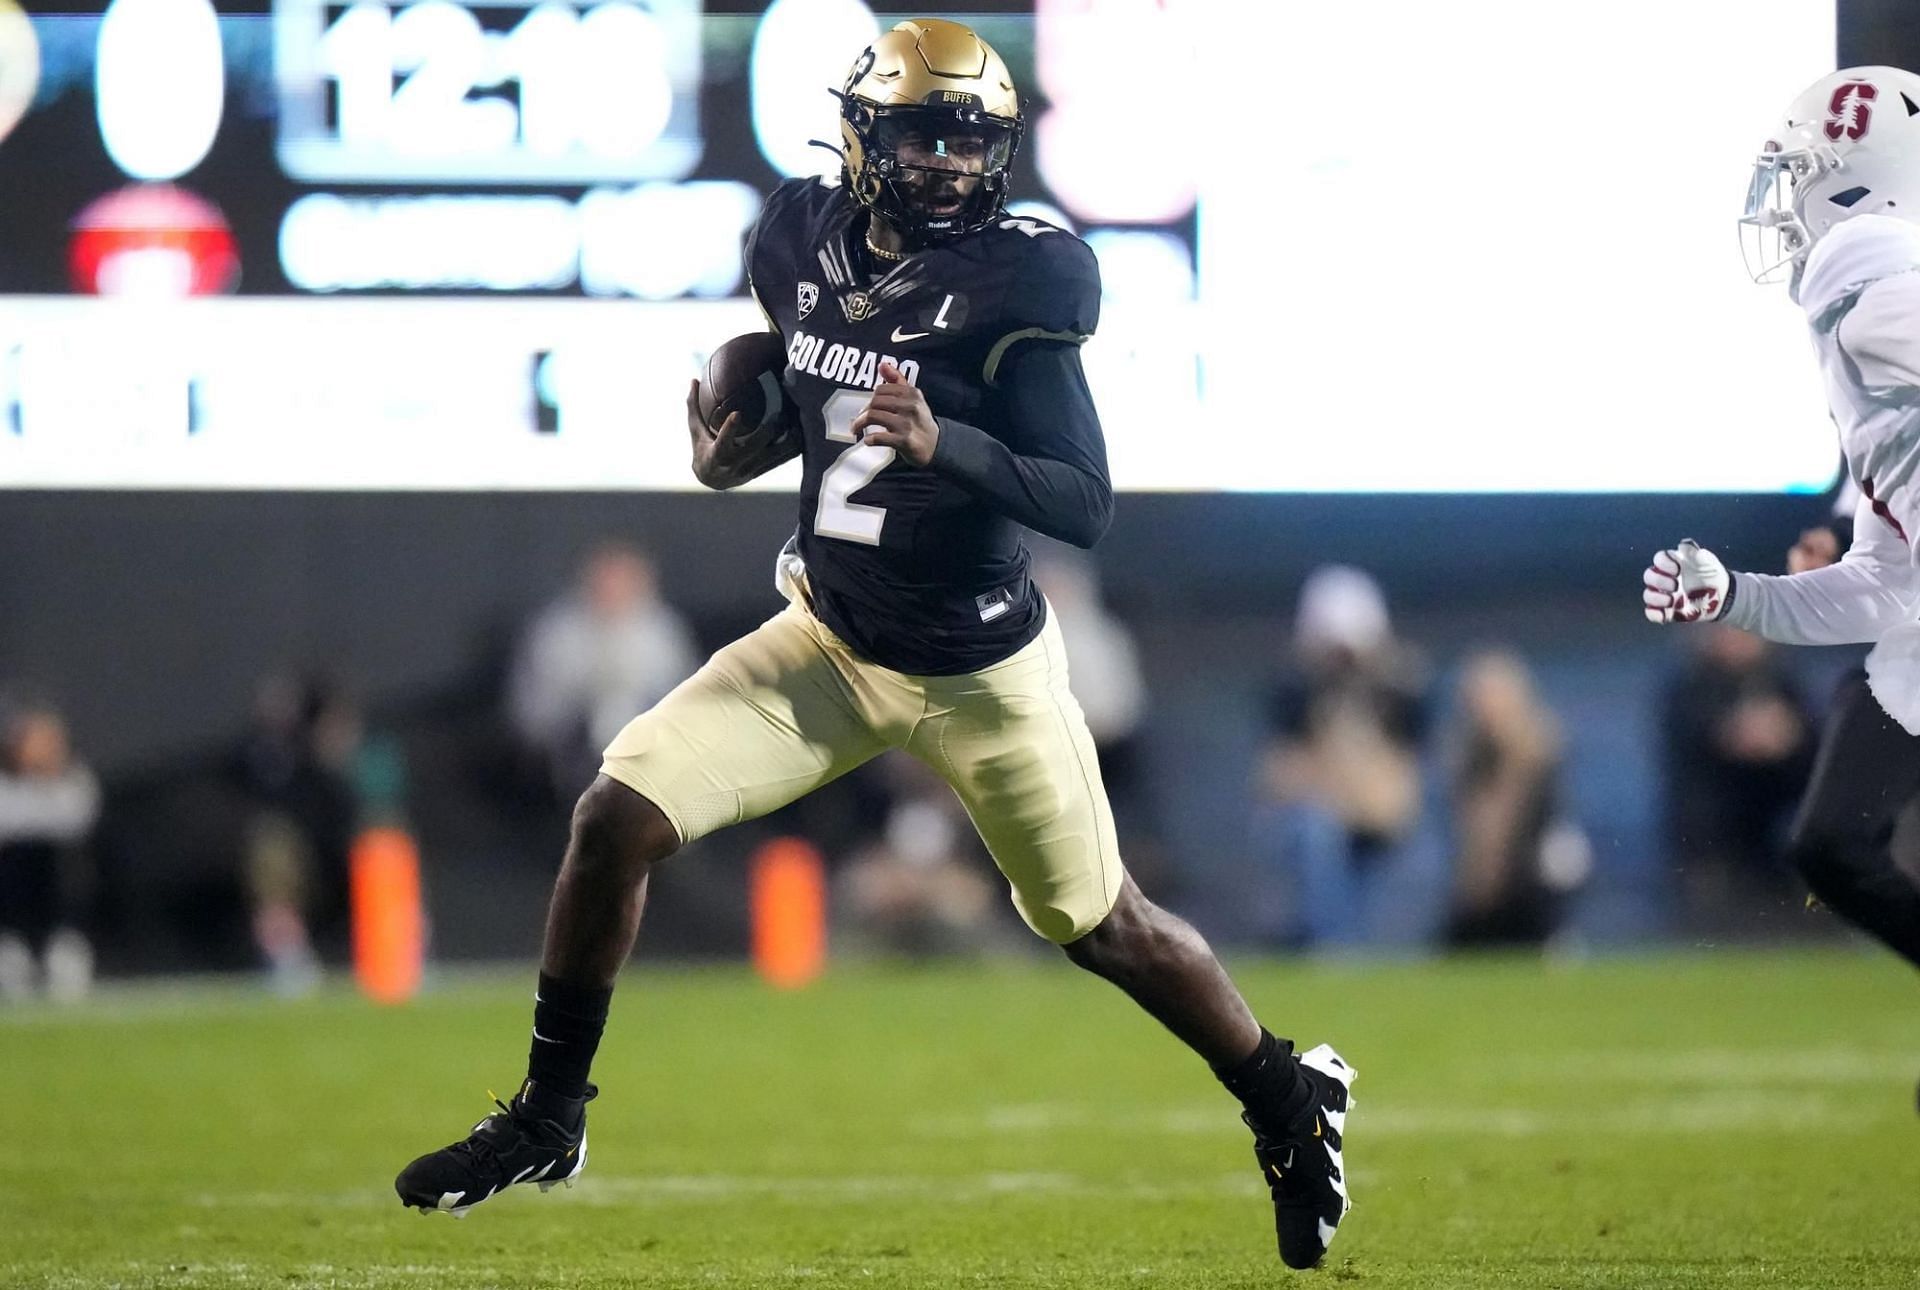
<point x="1326" y="1233"/>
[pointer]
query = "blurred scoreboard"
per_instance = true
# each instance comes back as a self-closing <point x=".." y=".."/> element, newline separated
<point x="428" y="244"/>
<point x="423" y="147"/>
<point x="434" y="91"/>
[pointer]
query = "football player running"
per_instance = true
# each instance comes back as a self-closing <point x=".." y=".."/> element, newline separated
<point x="933" y="353"/>
<point x="1833" y="208"/>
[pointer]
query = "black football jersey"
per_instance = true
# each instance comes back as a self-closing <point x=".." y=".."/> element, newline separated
<point x="905" y="564"/>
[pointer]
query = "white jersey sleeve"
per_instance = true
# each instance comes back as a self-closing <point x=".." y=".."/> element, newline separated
<point x="1873" y="589"/>
<point x="1860" y="287"/>
<point x="1881" y="334"/>
<point x="1879" y="341"/>
<point x="1861" y="291"/>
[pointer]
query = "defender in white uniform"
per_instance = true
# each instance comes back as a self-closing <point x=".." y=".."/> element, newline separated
<point x="1834" y="207"/>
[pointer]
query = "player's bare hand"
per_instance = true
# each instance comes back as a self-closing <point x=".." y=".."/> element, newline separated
<point x="734" y="452"/>
<point x="897" y="417"/>
<point x="1816" y="549"/>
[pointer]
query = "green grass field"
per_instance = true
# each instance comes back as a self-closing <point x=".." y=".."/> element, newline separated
<point x="1723" y="1119"/>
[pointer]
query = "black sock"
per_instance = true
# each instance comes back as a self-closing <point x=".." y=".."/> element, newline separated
<point x="567" y="1021"/>
<point x="1268" y="1082"/>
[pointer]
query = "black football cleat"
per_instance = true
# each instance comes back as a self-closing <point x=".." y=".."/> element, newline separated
<point x="513" y="1145"/>
<point x="1302" y="1162"/>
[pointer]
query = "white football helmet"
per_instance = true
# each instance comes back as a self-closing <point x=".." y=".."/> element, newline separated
<point x="1850" y="145"/>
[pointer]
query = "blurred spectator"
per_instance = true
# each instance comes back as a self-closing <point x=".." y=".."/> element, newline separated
<point x="925" y="885"/>
<point x="1738" y="747"/>
<point x="1515" y="858"/>
<point x="1824" y="544"/>
<point x="295" y="769"/>
<point x="592" y="661"/>
<point x="49" y="803"/>
<point x="1344" y="830"/>
<point x="1103" y="670"/>
<point x="1103" y="664"/>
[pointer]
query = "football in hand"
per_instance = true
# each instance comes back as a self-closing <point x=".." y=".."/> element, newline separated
<point x="743" y="376"/>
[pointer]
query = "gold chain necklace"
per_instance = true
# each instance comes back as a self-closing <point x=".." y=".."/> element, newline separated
<point x="895" y="256"/>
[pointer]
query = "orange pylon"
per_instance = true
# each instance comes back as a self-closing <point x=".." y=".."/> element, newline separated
<point x="389" y="927"/>
<point x="788" y="901"/>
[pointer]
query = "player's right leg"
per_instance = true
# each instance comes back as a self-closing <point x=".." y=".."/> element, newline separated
<point x="1865" y="774"/>
<point x="767" y="720"/>
<point x="1295" y="1103"/>
<point x="1014" y="745"/>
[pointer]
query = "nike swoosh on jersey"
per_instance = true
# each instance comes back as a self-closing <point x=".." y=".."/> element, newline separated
<point x="900" y="337"/>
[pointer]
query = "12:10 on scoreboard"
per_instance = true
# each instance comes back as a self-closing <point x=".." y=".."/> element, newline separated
<point x="436" y="92"/>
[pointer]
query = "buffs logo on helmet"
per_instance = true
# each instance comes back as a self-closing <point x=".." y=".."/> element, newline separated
<point x="938" y="86"/>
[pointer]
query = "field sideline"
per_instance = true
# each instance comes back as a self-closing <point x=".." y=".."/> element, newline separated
<point x="1722" y="1119"/>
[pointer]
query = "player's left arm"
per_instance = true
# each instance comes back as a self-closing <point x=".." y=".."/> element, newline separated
<point x="1873" y="588"/>
<point x="1047" y="466"/>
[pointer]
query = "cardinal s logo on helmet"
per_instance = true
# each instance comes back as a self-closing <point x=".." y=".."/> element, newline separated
<point x="1850" y="110"/>
<point x="1850" y="145"/>
<point x="929" y="125"/>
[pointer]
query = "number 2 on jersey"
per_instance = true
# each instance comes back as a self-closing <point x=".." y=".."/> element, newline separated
<point x="833" y="515"/>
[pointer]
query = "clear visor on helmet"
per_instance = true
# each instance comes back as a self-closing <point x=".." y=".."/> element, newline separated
<point x="943" y="168"/>
<point x="1771" y="235"/>
<point x="941" y="141"/>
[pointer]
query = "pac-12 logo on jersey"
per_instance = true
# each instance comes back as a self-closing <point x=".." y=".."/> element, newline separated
<point x="1850" y="110"/>
<point x="809" y="297"/>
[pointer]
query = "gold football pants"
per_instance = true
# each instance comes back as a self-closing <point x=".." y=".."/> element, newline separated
<point x="789" y="707"/>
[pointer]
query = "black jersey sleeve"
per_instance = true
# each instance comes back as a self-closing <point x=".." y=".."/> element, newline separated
<point x="1048" y="468"/>
<point x="1055" y="296"/>
<point x="759" y="254"/>
<point x="1045" y="464"/>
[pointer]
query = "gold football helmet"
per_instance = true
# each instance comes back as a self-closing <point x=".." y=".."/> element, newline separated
<point x="939" y="89"/>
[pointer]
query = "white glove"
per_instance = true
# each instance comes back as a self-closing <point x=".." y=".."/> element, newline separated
<point x="1686" y="584"/>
